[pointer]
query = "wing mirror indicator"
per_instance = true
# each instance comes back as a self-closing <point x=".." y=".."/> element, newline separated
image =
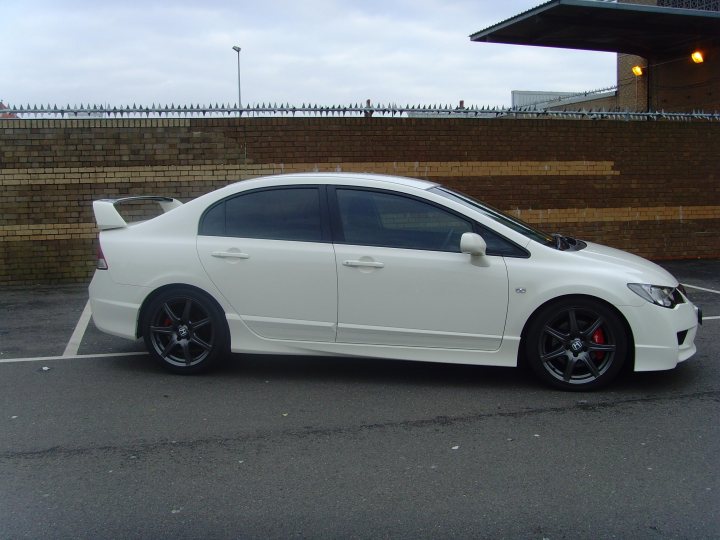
<point x="473" y="244"/>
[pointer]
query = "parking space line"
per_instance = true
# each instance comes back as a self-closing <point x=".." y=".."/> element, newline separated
<point x="71" y="349"/>
<point x="710" y="318"/>
<point x="701" y="288"/>
<point x="72" y="357"/>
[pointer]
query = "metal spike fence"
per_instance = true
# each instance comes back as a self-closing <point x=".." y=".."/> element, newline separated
<point x="314" y="110"/>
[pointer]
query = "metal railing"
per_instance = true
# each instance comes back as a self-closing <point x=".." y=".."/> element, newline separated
<point x="567" y="98"/>
<point x="313" y="110"/>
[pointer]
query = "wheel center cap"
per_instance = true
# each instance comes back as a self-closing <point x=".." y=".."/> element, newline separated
<point x="576" y="346"/>
<point x="183" y="331"/>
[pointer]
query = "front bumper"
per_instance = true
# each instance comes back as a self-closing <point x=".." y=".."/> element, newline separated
<point x="663" y="337"/>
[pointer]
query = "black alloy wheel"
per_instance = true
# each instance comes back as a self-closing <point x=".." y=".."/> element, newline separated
<point x="185" y="331"/>
<point x="577" y="344"/>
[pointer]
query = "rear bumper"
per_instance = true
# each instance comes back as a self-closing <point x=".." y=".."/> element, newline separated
<point x="115" y="307"/>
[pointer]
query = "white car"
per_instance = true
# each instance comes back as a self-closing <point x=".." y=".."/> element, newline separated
<point x="379" y="266"/>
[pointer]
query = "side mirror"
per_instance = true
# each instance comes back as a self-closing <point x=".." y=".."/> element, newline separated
<point x="473" y="244"/>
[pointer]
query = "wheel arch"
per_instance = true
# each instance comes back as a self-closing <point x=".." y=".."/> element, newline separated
<point x="630" y="364"/>
<point x="170" y="286"/>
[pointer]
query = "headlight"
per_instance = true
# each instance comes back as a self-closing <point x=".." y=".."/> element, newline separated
<point x="667" y="297"/>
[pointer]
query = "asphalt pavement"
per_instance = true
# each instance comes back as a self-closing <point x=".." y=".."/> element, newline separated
<point x="98" y="442"/>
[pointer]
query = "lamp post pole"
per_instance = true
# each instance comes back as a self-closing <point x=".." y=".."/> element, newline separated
<point x="237" y="50"/>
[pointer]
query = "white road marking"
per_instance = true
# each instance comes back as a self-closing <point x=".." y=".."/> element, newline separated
<point x="74" y="357"/>
<point x="701" y="288"/>
<point x="74" y="344"/>
<point x="705" y="318"/>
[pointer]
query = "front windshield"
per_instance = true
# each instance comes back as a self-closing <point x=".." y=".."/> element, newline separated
<point x="513" y="223"/>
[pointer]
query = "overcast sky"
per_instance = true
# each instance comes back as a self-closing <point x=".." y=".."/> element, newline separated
<point x="304" y="51"/>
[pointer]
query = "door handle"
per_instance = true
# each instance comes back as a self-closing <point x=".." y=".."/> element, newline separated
<point x="230" y="255"/>
<point x="365" y="264"/>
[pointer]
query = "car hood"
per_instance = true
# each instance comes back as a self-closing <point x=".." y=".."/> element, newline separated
<point x="637" y="269"/>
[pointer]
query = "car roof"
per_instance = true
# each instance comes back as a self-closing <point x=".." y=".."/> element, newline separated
<point x="339" y="178"/>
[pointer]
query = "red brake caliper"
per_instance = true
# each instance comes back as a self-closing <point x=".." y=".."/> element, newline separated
<point x="599" y="338"/>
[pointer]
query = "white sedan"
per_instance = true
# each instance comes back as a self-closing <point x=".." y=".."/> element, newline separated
<point x="380" y="266"/>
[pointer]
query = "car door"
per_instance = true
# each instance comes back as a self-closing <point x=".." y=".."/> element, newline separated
<point x="269" y="253"/>
<point x="402" y="279"/>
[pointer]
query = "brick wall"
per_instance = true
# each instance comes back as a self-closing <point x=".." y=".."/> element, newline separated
<point x="648" y="187"/>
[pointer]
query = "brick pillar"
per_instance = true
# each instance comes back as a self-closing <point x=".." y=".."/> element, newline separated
<point x="633" y="90"/>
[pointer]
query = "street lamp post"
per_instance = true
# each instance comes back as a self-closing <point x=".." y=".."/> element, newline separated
<point x="237" y="50"/>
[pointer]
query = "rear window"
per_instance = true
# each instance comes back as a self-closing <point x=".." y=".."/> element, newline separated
<point x="274" y="214"/>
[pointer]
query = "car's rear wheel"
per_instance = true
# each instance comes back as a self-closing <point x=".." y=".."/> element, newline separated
<point x="185" y="331"/>
<point x="577" y="344"/>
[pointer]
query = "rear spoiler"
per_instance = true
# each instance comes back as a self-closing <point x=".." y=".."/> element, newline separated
<point x="107" y="216"/>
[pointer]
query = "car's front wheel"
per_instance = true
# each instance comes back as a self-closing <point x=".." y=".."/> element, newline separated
<point x="577" y="344"/>
<point x="185" y="331"/>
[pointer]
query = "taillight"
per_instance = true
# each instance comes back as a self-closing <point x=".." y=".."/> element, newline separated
<point x="101" y="262"/>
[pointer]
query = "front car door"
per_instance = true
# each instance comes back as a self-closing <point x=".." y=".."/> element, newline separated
<point x="402" y="279"/>
<point x="269" y="253"/>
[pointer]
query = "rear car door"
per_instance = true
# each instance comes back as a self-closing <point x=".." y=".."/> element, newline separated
<point x="269" y="253"/>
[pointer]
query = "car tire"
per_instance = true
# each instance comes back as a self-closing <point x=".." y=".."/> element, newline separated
<point x="577" y="344"/>
<point x="185" y="331"/>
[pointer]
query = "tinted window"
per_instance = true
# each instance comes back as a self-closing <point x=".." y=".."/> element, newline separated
<point x="513" y="223"/>
<point x="213" y="223"/>
<point x="383" y="219"/>
<point x="277" y="214"/>
<point x="497" y="245"/>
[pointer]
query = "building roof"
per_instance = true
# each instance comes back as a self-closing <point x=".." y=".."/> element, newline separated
<point x="5" y="116"/>
<point x="647" y="31"/>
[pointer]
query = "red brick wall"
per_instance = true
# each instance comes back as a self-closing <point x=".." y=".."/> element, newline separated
<point x="648" y="187"/>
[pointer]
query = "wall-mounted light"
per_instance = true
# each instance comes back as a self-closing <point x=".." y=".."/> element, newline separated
<point x="697" y="57"/>
<point x="637" y="71"/>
